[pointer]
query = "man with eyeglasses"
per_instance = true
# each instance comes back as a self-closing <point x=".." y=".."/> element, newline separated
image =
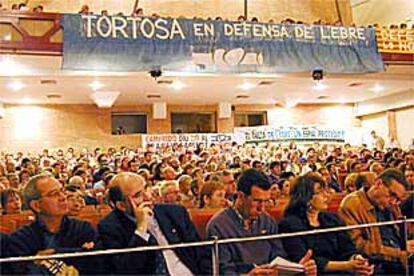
<point x="409" y="175"/>
<point x="51" y="232"/>
<point x="247" y="218"/>
<point x="75" y="200"/>
<point x="379" y="203"/>
<point x="227" y="178"/>
<point x="170" y="192"/>
<point x="407" y="207"/>
<point x="136" y="222"/>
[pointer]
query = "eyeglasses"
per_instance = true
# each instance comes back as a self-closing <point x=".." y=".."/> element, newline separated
<point x="75" y="198"/>
<point x="138" y="196"/>
<point x="172" y="192"/>
<point x="397" y="199"/>
<point x="395" y="196"/>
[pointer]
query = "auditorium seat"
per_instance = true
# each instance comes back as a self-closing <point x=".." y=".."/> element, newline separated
<point x="19" y="220"/>
<point x="103" y="209"/>
<point x="341" y="180"/>
<point x="188" y="204"/>
<point x="89" y="208"/>
<point x="335" y="202"/>
<point x="200" y="219"/>
<point x="276" y="212"/>
<point x="7" y="226"/>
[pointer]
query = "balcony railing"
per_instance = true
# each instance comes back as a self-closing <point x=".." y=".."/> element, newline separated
<point x="42" y="34"/>
<point x="31" y="33"/>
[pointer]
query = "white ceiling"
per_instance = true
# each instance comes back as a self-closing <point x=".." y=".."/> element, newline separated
<point x="134" y="87"/>
<point x="382" y="12"/>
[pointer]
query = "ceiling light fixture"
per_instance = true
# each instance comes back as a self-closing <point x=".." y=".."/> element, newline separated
<point x="241" y="97"/>
<point x="342" y="100"/>
<point x="247" y="86"/>
<point x="96" y="85"/>
<point x="290" y="102"/>
<point x="177" y="85"/>
<point x="26" y="101"/>
<point x="105" y="99"/>
<point x="8" y="67"/>
<point x="261" y="75"/>
<point x="16" y="85"/>
<point x="319" y="86"/>
<point x="377" y="88"/>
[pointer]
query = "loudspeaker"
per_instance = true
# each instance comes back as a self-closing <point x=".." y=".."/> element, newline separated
<point x="159" y="110"/>
<point x="224" y="110"/>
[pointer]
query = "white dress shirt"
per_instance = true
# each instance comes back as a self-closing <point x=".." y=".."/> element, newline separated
<point x="174" y="265"/>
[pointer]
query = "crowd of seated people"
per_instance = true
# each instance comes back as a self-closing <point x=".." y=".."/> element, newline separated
<point x="23" y="7"/>
<point x="223" y="190"/>
<point x="85" y="9"/>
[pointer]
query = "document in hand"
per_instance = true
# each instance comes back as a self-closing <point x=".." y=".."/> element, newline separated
<point x="284" y="266"/>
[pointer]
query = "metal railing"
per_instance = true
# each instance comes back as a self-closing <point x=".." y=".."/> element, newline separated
<point x="214" y="243"/>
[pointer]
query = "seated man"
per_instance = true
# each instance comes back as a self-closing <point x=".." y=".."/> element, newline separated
<point x="168" y="173"/>
<point x="248" y="219"/>
<point x="79" y="182"/>
<point x="136" y="222"/>
<point x="409" y="175"/>
<point x="4" y="242"/>
<point x="75" y="200"/>
<point x="379" y="203"/>
<point x="51" y="232"/>
<point x="184" y="183"/>
<point x="169" y="192"/>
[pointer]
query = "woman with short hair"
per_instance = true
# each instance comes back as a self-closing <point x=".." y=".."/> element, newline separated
<point x="213" y="195"/>
<point x="11" y="202"/>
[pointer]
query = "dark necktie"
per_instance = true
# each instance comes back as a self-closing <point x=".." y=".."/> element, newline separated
<point x="160" y="263"/>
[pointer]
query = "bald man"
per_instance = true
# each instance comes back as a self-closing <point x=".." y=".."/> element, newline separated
<point x="135" y="222"/>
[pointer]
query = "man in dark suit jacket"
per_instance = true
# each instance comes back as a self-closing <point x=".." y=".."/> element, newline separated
<point x="135" y="222"/>
<point x="4" y="242"/>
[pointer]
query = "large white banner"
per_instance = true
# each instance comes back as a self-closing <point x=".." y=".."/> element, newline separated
<point x="242" y="135"/>
<point x="187" y="140"/>
<point x="297" y="134"/>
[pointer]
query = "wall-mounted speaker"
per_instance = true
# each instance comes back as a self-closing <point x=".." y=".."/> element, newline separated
<point x="224" y="111"/>
<point x="159" y="110"/>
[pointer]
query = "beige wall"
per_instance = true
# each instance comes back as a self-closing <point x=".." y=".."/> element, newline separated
<point x="305" y="10"/>
<point x="383" y="12"/>
<point x="402" y="125"/>
<point x="405" y="127"/>
<point x="377" y="122"/>
<point x="32" y="128"/>
<point x="338" y="115"/>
